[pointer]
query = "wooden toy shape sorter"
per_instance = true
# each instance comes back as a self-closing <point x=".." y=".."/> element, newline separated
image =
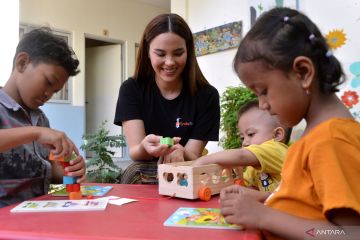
<point x="185" y="181"/>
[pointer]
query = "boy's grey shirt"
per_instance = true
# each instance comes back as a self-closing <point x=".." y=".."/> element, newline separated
<point x="24" y="171"/>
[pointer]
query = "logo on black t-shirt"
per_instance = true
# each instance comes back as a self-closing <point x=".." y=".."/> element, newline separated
<point x="179" y="123"/>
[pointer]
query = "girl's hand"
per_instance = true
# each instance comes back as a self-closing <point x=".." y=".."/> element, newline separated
<point x="77" y="168"/>
<point x="240" y="206"/>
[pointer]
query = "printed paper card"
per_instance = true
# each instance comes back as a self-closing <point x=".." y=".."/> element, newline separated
<point x="61" y="205"/>
<point x="199" y="218"/>
<point x="118" y="200"/>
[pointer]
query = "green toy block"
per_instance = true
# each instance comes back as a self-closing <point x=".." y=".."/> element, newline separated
<point x="167" y="140"/>
<point x="73" y="155"/>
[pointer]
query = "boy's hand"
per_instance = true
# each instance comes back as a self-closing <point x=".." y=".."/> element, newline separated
<point x="240" y="205"/>
<point x="77" y="168"/>
<point x="61" y="145"/>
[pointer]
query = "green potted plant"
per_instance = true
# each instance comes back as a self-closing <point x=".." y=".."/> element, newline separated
<point x="101" y="167"/>
<point x="231" y="101"/>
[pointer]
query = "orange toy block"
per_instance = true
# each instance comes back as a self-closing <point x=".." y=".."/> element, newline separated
<point x="75" y="195"/>
<point x="60" y="159"/>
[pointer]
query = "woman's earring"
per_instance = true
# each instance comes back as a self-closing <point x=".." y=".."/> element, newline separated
<point x="307" y="91"/>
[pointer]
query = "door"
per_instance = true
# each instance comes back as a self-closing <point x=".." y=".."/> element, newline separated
<point x="103" y="79"/>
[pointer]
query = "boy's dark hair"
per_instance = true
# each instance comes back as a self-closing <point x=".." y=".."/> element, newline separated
<point x="43" y="46"/>
<point x="282" y="34"/>
<point x="255" y="104"/>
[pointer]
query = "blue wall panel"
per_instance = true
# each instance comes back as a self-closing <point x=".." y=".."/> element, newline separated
<point x="67" y="118"/>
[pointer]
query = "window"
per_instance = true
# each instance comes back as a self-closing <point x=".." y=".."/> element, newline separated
<point x="64" y="95"/>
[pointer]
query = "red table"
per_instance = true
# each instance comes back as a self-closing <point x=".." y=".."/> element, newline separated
<point x="138" y="220"/>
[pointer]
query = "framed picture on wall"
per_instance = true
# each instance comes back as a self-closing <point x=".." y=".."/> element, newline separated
<point x="64" y="95"/>
<point x="217" y="39"/>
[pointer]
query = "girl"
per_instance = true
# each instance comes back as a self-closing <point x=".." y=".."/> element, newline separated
<point x="286" y="61"/>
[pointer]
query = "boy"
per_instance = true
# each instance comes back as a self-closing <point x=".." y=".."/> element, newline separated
<point x="41" y="66"/>
<point x="264" y="143"/>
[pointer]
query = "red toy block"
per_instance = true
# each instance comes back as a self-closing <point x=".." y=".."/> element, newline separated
<point x="65" y="164"/>
<point x="73" y="187"/>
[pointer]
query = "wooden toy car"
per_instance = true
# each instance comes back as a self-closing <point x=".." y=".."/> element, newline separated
<point x="185" y="181"/>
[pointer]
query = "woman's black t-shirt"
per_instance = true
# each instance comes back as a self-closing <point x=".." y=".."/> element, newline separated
<point x="186" y="116"/>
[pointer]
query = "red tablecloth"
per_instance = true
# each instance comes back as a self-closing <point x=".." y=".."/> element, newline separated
<point x="139" y="220"/>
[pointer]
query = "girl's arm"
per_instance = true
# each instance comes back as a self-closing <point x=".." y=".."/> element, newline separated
<point x="240" y="207"/>
<point x="230" y="158"/>
<point x="292" y="227"/>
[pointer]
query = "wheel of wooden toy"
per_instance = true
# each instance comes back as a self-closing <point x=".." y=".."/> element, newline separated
<point x="239" y="182"/>
<point x="205" y="193"/>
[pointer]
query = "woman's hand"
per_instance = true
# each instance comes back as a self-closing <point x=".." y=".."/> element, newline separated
<point x="151" y="144"/>
<point x="176" y="155"/>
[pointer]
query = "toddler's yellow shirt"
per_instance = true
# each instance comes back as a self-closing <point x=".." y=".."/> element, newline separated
<point x="271" y="155"/>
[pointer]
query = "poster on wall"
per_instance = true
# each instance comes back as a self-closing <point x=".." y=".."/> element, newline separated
<point x="257" y="7"/>
<point x="217" y="39"/>
<point x="350" y="94"/>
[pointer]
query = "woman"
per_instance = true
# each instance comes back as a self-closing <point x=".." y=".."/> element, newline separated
<point x="167" y="96"/>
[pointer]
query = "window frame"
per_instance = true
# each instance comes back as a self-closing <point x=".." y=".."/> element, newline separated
<point x="65" y="94"/>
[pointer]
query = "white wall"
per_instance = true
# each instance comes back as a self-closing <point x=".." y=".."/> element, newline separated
<point x="9" y="25"/>
<point x="125" y="20"/>
<point x="217" y="67"/>
<point x="327" y="18"/>
<point x="328" y="15"/>
<point x="205" y="14"/>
